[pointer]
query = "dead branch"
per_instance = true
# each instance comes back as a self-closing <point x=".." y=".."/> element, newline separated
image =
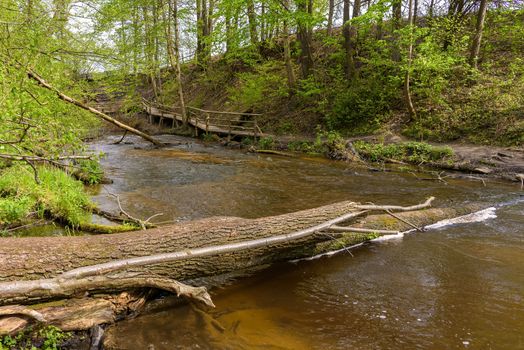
<point x="405" y="221"/>
<point x="122" y="139"/>
<point x="32" y="158"/>
<point x="13" y="310"/>
<point x="144" y="224"/>
<point x="31" y="74"/>
<point x="59" y="287"/>
<point x="359" y="229"/>
<point x="424" y="205"/>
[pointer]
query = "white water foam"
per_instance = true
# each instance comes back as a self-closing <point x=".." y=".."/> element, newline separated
<point x="478" y="216"/>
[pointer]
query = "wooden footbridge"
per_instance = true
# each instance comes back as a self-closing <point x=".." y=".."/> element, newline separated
<point x="216" y="122"/>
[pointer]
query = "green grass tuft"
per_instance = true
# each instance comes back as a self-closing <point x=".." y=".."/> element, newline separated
<point x="58" y="196"/>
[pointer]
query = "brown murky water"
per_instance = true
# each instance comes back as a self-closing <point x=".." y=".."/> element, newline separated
<point x="456" y="287"/>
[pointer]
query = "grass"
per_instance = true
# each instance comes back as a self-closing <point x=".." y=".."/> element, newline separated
<point x="412" y="152"/>
<point x="58" y="196"/>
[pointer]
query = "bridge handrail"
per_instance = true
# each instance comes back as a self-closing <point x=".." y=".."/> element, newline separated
<point x="168" y="108"/>
<point x="206" y="119"/>
<point x="223" y="112"/>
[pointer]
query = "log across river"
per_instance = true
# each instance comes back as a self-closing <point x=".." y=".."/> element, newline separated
<point x="47" y="257"/>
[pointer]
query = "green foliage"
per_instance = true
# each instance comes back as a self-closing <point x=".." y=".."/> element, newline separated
<point x="266" y="143"/>
<point x="46" y="338"/>
<point x="53" y="337"/>
<point x="331" y="144"/>
<point x="302" y="146"/>
<point x="91" y="170"/>
<point x="413" y="152"/>
<point x="57" y="196"/>
<point x="256" y="87"/>
<point x="362" y="107"/>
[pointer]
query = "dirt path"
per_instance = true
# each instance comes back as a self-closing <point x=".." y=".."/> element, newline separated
<point x="491" y="159"/>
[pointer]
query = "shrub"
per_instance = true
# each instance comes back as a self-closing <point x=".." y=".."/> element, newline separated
<point x="413" y="152"/>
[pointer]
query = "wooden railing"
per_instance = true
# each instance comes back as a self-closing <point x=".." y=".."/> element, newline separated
<point x="219" y="122"/>
<point x="235" y="123"/>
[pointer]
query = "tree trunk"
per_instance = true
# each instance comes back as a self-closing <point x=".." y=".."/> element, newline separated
<point x="176" y="57"/>
<point x="331" y="11"/>
<point x="252" y="22"/>
<point x="415" y="11"/>
<point x="291" y="79"/>
<point x="22" y="258"/>
<point x="304" y="36"/>
<point x="350" y="34"/>
<point x="407" y="88"/>
<point x="149" y="50"/>
<point x="79" y="266"/>
<point x="199" y="31"/>
<point x="347" y="36"/>
<point x="475" y="47"/>
<point x="397" y="18"/>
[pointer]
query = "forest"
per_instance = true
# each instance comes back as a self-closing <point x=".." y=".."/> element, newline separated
<point x="418" y="85"/>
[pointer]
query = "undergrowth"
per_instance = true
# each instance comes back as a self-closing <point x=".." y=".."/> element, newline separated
<point x="57" y="196"/>
<point x="46" y="338"/>
<point x="412" y="152"/>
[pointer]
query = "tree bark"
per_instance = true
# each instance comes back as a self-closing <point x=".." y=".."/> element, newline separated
<point x="351" y="68"/>
<point x="304" y="36"/>
<point x="252" y="22"/>
<point x="407" y="88"/>
<point x="397" y="18"/>
<point x="291" y="79"/>
<point x="174" y="55"/>
<point x="331" y="11"/>
<point x="475" y="47"/>
<point x="347" y="36"/>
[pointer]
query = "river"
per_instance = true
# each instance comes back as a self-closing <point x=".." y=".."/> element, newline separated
<point x="455" y="287"/>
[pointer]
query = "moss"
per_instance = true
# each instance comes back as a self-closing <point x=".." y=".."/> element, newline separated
<point x="98" y="228"/>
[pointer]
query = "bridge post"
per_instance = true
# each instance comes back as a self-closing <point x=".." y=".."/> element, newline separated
<point x="255" y="126"/>
<point x="229" y="131"/>
<point x="207" y="123"/>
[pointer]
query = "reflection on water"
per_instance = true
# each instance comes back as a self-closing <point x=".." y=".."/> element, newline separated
<point x="458" y="286"/>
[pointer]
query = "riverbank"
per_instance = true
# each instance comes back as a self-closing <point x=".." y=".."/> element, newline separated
<point x="483" y="161"/>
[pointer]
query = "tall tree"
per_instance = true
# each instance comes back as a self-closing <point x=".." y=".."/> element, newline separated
<point x="407" y="78"/>
<point x="397" y="19"/>
<point x="475" y="47"/>
<point x="304" y="34"/>
<point x="173" y="47"/>
<point x="251" y="14"/>
<point x="350" y="33"/>
<point x="331" y="11"/>
<point x="291" y="79"/>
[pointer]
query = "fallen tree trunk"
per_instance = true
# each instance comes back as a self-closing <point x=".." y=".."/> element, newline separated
<point x="37" y="269"/>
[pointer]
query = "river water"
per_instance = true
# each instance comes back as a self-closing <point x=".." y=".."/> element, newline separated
<point x="456" y="287"/>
